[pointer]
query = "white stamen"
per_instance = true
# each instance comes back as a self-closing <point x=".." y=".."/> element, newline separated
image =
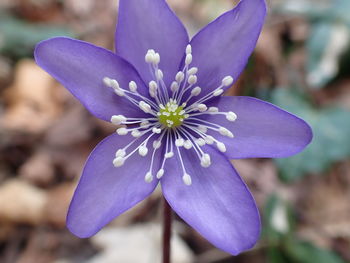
<point x="156" y="130"/>
<point x="174" y="87"/>
<point x="200" y="141"/>
<point x="148" y="177"/>
<point x="188" y="144"/>
<point x="122" y="131"/>
<point x="159" y="74"/>
<point x="132" y="86"/>
<point x="168" y="155"/>
<point x="209" y="139"/>
<point x="202" y="107"/>
<point x="118" y="161"/>
<point x="202" y="128"/>
<point x="180" y="76"/>
<point x="118" y="119"/>
<point x="221" y="147"/>
<point x="136" y="133"/>
<point x="120" y="153"/>
<point x="145" y="107"/>
<point x="144" y="123"/>
<point x="157" y="144"/>
<point x="143" y="150"/>
<point x="179" y="142"/>
<point x="192" y="71"/>
<point x="213" y="109"/>
<point x="149" y="58"/>
<point x="196" y="91"/>
<point x="227" y="81"/>
<point x="231" y="116"/>
<point x="225" y="132"/>
<point x="188" y="49"/>
<point x="107" y="82"/>
<point x="156" y="59"/>
<point x="188" y="59"/>
<point x="218" y="92"/>
<point x="160" y="173"/>
<point x="187" y="179"/>
<point x="205" y="160"/>
<point x="192" y="79"/>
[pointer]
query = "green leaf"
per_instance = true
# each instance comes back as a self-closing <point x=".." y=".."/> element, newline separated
<point x="18" y="38"/>
<point x="305" y="252"/>
<point x="331" y="129"/>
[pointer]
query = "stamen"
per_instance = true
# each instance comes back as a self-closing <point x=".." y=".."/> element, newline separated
<point x="187" y="179"/>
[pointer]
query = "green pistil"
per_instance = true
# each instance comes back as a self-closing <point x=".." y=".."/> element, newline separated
<point x="171" y="115"/>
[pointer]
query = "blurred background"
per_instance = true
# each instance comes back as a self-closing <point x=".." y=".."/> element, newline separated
<point x="301" y="63"/>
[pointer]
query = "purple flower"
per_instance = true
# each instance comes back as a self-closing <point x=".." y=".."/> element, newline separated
<point x="177" y="128"/>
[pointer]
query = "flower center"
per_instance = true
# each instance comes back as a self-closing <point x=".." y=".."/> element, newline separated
<point x="171" y="115"/>
<point x="176" y="118"/>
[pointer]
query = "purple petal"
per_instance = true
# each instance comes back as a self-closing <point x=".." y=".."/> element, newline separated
<point x="105" y="191"/>
<point x="217" y="204"/>
<point x="261" y="129"/>
<point x="150" y="24"/>
<point x="223" y="47"/>
<point x="81" y="67"/>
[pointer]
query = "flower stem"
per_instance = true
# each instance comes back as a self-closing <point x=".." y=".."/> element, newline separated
<point x="167" y="216"/>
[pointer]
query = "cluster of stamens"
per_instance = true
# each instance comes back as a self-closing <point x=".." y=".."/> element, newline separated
<point x="174" y="117"/>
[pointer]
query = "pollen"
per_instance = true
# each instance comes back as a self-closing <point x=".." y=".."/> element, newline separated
<point x="171" y="115"/>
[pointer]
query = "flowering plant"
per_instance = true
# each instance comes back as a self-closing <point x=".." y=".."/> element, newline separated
<point x="177" y="128"/>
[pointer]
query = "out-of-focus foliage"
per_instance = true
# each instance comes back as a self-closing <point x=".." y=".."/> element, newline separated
<point x="331" y="128"/>
<point x="284" y="245"/>
<point x="329" y="35"/>
<point x="18" y="38"/>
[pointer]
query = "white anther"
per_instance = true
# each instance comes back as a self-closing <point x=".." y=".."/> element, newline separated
<point x="132" y="86"/>
<point x="213" y="109"/>
<point x="107" y="82"/>
<point x="188" y="144"/>
<point x="122" y="131"/>
<point x="218" y="92"/>
<point x="231" y="116"/>
<point x="192" y="79"/>
<point x="179" y="76"/>
<point x="118" y="161"/>
<point x="159" y="74"/>
<point x="157" y="144"/>
<point x="149" y="58"/>
<point x="118" y="119"/>
<point x="144" y="123"/>
<point x="225" y="132"/>
<point x="160" y="173"/>
<point x="179" y="142"/>
<point x="205" y="160"/>
<point x="168" y="155"/>
<point x="114" y="84"/>
<point x="153" y="86"/>
<point x="192" y="71"/>
<point x="202" y="128"/>
<point x="156" y="130"/>
<point x="221" y="147"/>
<point x="188" y="59"/>
<point x="156" y="59"/>
<point x="188" y="49"/>
<point x="174" y="87"/>
<point x="202" y="107"/>
<point x="145" y="107"/>
<point x="148" y="177"/>
<point x="120" y="153"/>
<point x="209" y="139"/>
<point x="227" y="81"/>
<point x="186" y="178"/>
<point x="196" y="91"/>
<point x="136" y="133"/>
<point x="143" y="150"/>
<point x="200" y="141"/>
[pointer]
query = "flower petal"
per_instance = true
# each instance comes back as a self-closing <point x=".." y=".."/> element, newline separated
<point x="81" y="67"/>
<point x="104" y="191"/>
<point x="217" y="204"/>
<point x="223" y="47"/>
<point x="261" y="129"/>
<point x="150" y="24"/>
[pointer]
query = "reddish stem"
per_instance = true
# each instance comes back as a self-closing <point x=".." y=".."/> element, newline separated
<point x="167" y="217"/>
